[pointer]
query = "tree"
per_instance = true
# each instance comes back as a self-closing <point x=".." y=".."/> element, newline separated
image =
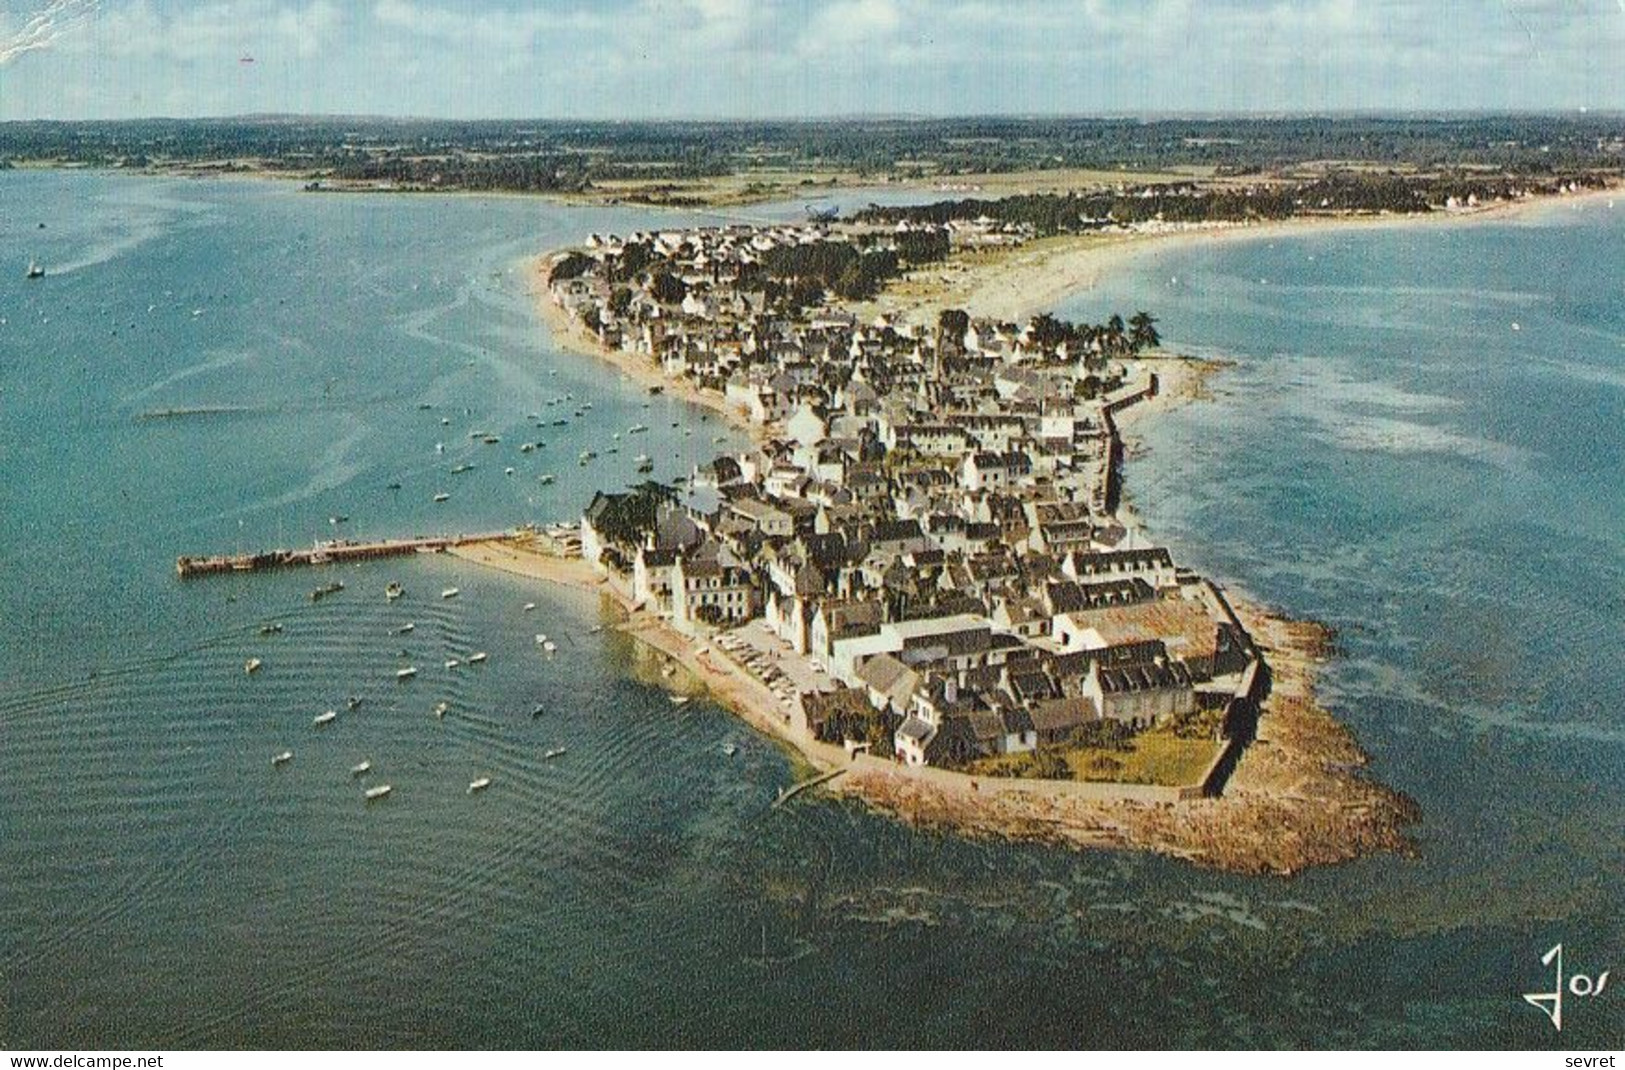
<point x="1048" y="331"/>
<point x="620" y="300"/>
<point x="1143" y="332"/>
<point x="572" y="265"/>
<point x="667" y="288"/>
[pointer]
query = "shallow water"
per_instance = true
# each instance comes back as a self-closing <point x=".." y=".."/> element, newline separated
<point x="1441" y="492"/>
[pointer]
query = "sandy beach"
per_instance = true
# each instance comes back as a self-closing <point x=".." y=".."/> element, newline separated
<point x="570" y="334"/>
<point x="1015" y="284"/>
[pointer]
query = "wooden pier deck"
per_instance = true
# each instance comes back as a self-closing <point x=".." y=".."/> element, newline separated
<point x="335" y="552"/>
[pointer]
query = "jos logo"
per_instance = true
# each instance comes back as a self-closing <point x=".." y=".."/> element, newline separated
<point x="1579" y="985"/>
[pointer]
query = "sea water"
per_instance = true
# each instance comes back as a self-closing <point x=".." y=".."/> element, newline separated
<point x="220" y="366"/>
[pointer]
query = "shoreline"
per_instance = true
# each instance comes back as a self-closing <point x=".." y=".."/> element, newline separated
<point x="1298" y="795"/>
<point x="570" y="335"/>
<point x="1025" y="281"/>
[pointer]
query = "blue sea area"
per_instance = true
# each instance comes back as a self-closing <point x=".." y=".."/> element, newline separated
<point x="1418" y="439"/>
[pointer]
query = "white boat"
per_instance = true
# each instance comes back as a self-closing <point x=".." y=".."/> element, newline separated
<point x="325" y="718"/>
<point x="442" y="497"/>
<point x="394" y="591"/>
<point x="729" y="749"/>
<point x="679" y="700"/>
<point x="35" y="271"/>
<point x="252" y="665"/>
<point x="475" y="659"/>
<point x="541" y="638"/>
<point x="452" y="663"/>
<point x="361" y="768"/>
<point x="407" y="627"/>
<point x="637" y="429"/>
<point x="478" y="784"/>
<point x="507" y="471"/>
<point x="554" y="753"/>
<point x="546" y="480"/>
<point x="406" y="673"/>
<point x="282" y="758"/>
<point x="460" y="469"/>
<point x="450" y="592"/>
<point x="441" y="708"/>
<point x="550" y="646"/>
<point x="530" y="606"/>
<point x="379" y="792"/>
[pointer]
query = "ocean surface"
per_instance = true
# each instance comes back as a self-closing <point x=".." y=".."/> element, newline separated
<point x="212" y="366"/>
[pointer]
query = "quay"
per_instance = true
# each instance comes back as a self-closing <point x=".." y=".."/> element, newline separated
<point x="337" y="551"/>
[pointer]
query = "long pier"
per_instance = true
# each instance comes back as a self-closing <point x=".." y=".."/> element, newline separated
<point x="337" y="551"/>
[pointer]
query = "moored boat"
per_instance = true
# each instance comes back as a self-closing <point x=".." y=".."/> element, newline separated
<point x="476" y="658"/>
<point x="252" y="666"/>
<point x="450" y="592"/>
<point x="406" y="673"/>
<point x="379" y="792"/>
<point x="325" y="718"/>
<point x="361" y="768"/>
<point x="478" y="784"/>
<point x="282" y="757"/>
<point x="554" y="753"/>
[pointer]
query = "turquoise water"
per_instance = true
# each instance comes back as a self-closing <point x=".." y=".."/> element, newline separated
<point x="1388" y="456"/>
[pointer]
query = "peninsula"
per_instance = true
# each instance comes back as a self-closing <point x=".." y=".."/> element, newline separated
<point x="921" y="574"/>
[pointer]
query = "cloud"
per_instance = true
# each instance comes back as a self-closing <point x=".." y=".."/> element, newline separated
<point x="211" y="31"/>
<point x="44" y="27"/>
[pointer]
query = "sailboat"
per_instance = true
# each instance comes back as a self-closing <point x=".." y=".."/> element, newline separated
<point x="35" y="271"/>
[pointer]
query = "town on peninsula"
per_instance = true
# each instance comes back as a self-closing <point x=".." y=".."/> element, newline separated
<point x="922" y="575"/>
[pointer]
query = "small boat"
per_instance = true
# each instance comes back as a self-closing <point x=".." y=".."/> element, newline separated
<point x="441" y="708"/>
<point x="679" y="700"/>
<point x="460" y="469"/>
<point x="478" y="784"/>
<point x="507" y="471"/>
<point x="393" y="486"/>
<point x="669" y="670"/>
<point x="361" y="768"/>
<point x="440" y="447"/>
<point x="550" y="646"/>
<point x="35" y="271"/>
<point x="352" y="702"/>
<point x="637" y="429"/>
<point x="596" y="628"/>
<point x="282" y="757"/>
<point x="538" y="710"/>
<point x="729" y="749"/>
<point x="394" y="591"/>
<point x="270" y="629"/>
<point x="530" y="607"/>
<point x="527" y="447"/>
<point x="325" y="718"/>
<point x="326" y="589"/>
<point x="475" y="659"/>
<point x="403" y="629"/>
<point x="546" y="480"/>
<point x="452" y="663"/>
<point x="554" y="753"/>
<point x="379" y="792"/>
<point x="541" y="637"/>
<point x="406" y="673"/>
<point x="252" y="666"/>
<point x="442" y="497"/>
<point x="450" y="592"/>
<point x="645" y="467"/>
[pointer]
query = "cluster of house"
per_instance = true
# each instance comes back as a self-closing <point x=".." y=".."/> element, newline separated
<point x="928" y="517"/>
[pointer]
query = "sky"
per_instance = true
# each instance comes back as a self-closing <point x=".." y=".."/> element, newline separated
<point x="639" y="59"/>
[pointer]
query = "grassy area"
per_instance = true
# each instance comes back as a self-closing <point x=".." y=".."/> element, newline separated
<point x="1158" y="756"/>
